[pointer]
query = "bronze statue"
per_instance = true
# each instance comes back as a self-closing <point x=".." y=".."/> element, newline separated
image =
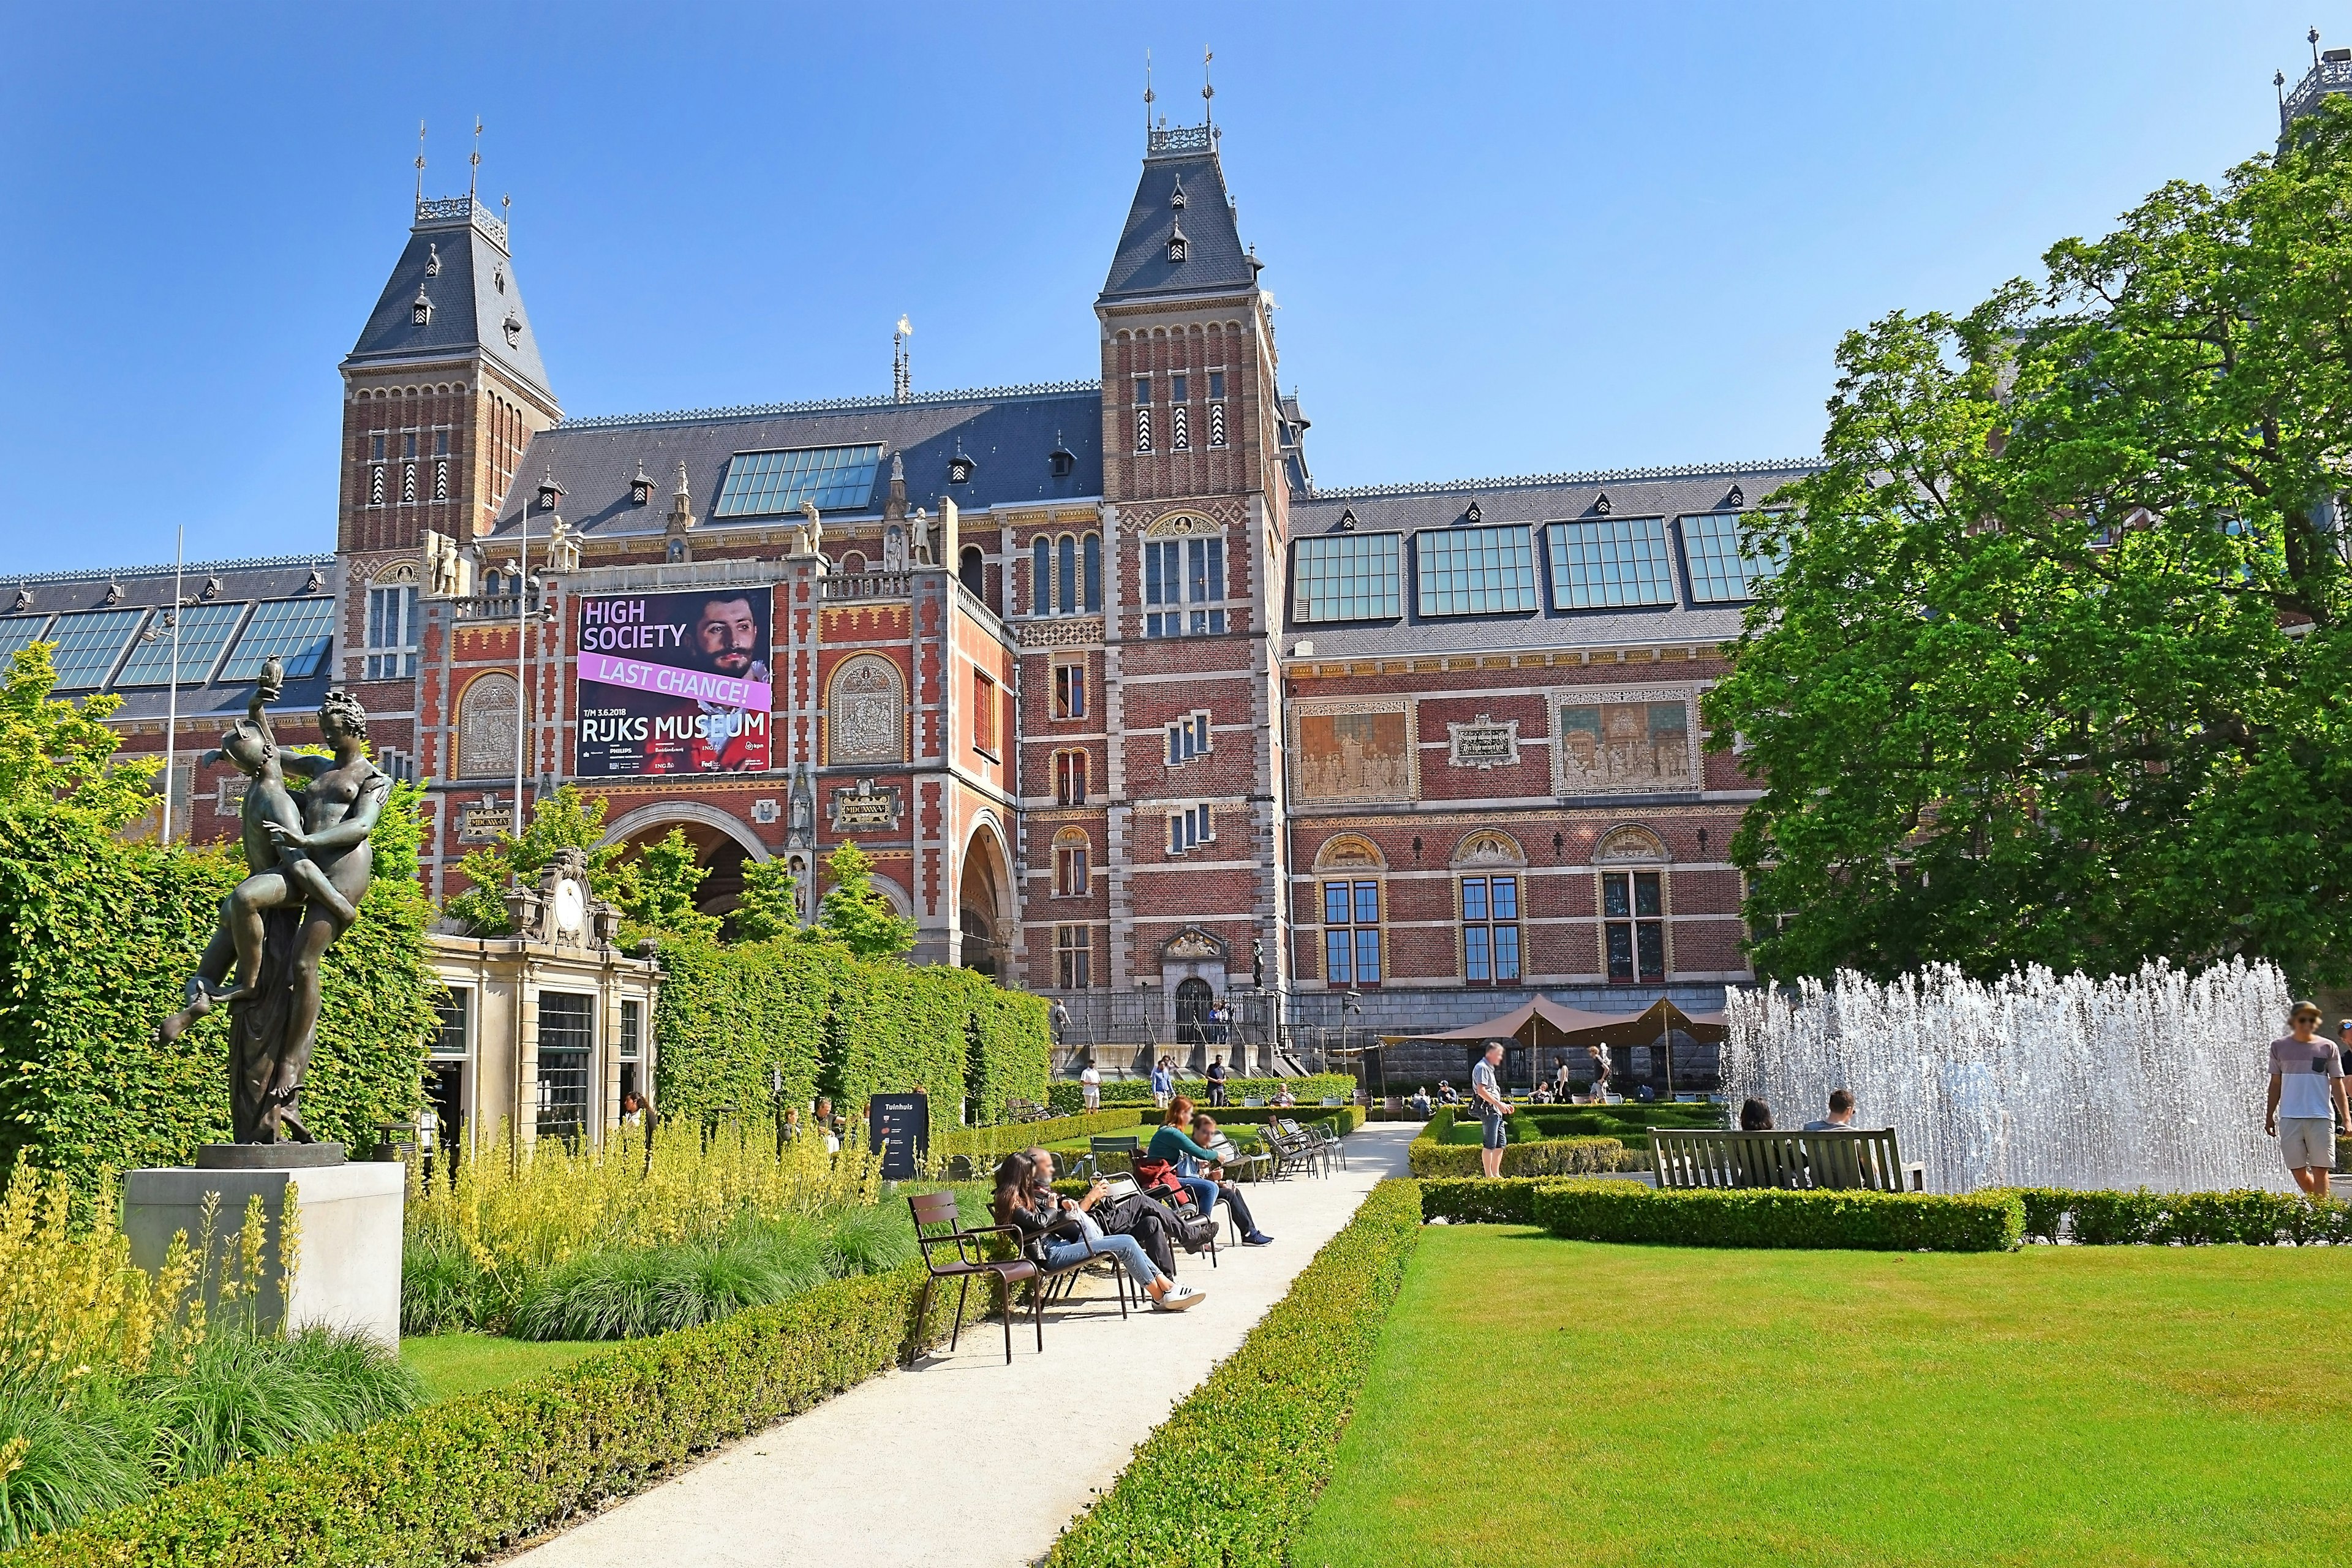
<point x="308" y="867"/>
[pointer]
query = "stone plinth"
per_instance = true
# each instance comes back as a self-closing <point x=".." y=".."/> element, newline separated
<point x="348" y="1224"/>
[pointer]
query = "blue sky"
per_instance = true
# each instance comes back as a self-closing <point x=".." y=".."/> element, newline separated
<point x="1503" y="239"/>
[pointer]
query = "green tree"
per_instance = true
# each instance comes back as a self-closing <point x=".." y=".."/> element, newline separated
<point x="655" y="888"/>
<point x="2057" y="669"/>
<point x="566" y="820"/>
<point x="854" y="914"/>
<point x="769" y="905"/>
<point x="59" y="752"/>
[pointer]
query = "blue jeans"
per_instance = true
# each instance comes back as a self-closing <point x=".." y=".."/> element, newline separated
<point x="1204" y="1195"/>
<point x="1129" y="1252"/>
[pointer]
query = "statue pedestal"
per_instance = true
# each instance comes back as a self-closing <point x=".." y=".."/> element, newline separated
<point x="347" y="1242"/>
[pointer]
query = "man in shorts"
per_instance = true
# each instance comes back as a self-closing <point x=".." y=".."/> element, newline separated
<point x="2306" y="1091"/>
<point x="1486" y="1092"/>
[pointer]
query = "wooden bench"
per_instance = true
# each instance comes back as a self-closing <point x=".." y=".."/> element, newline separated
<point x="1863" y="1159"/>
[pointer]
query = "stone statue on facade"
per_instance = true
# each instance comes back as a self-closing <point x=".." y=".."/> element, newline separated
<point x="309" y="863"/>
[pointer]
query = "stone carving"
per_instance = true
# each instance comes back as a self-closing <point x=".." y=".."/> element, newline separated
<point x="1192" y="943"/>
<point x="445" y="567"/>
<point x="486" y="727"/>
<point x="866" y="714"/>
<point x="1488" y="848"/>
<point x="865" y="810"/>
<point x="309" y="865"/>
<point x="1485" y="744"/>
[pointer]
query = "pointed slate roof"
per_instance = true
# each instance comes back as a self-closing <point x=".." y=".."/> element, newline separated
<point x="1214" y="261"/>
<point x="456" y="257"/>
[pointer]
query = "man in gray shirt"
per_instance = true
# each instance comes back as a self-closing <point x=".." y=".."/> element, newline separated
<point x="1487" y="1091"/>
<point x="1841" y="1116"/>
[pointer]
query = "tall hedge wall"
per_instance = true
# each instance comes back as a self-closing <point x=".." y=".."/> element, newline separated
<point x="837" y="1024"/>
<point x="97" y="939"/>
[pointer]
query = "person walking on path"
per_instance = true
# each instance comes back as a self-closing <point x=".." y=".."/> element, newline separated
<point x="2306" y="1093"/>
<point x="1090" y="1086"/>
<point x="1599" y="1093"/>
<point x="1163" y="1082"/>
<point x="1486" y="1091"/>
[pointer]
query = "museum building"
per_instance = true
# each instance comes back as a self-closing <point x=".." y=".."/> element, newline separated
<point x="1123" y="707"/>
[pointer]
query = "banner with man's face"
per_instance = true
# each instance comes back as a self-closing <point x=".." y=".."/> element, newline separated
<point x="673" y="683"/>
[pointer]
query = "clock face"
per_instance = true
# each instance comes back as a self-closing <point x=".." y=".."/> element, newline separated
<point x="571" y="905"/>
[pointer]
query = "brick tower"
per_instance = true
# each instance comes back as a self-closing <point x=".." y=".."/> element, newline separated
<point x="442" y="394"/>
<point x="1194" y="439"/>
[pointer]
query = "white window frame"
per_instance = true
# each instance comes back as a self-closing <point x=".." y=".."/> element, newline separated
<point x="1189" y="737"/>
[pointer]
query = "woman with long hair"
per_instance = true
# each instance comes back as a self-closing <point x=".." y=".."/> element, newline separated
<point x="1175" y="1144"/>
<point x="1051" y="1234"/>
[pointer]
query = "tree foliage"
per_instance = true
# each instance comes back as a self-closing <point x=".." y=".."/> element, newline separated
<point x="55" y="750"/>
<point x="2057" y="666"/>
<point x="656" y="887"/>
<point x="856" y="914"/>
<point x="567" y="819"/>
<point x="769" y="907"/>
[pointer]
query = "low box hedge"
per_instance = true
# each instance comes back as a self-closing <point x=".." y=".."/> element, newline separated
<point x="2244" y="1215"/>
<point x="1003" y="1138"/>
<point x="1478" y="1201"/>
<point x="469" y="1478"/>
<point x="1771" y="1217"/>
<point x="1067" y="1095"/>
<point x="1230" y="1477"/>
<point x="1432" y="1156"/>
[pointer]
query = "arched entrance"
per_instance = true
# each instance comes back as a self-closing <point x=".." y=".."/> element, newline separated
<point x="722" y="845"/>
<point x="984" y="917"/>
<point x="1194" y="998"/>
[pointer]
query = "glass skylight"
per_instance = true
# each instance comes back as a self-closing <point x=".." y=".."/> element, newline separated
<point x="1720" y="574"/>
<point x="204" y="630"/>
<point x="299" y="631"/>
<point x="1347" y="577"/>
<point x="1610" y="562"/>
<point x="19" y="633"/>
<point x="88" y="644"/>
<point x="768" y="484"/>
<point x="1475" y="571"/>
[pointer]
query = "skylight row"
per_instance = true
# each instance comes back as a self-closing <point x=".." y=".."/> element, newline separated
<point x="769" y="484"/>
<point x="92" y="644"/>
<point x="1596" y="564"/>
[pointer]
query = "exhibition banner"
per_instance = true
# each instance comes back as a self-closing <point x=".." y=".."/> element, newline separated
<point x="673" y="683"/>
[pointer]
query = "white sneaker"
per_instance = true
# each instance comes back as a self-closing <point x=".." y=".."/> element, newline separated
<point x="1179" y="1298"/>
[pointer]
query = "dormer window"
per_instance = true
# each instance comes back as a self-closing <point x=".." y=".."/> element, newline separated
<point x="113" y="593"/>
<point x="1600" y="503"/>
<point x="513" y="330"/>
<point x="212" y="589"/>
<point x="1176" y="196"/>
<point x="641" y="487"/>
<point x="499" y="280"/>
<point x="1736" y="499"/>
<point x="960" y="469"/>
<point x="1473" y="516"/>
<point x="550" y="492"/>
<point x="1175" y="244"/>
<point x="1347" y="520"/>
<point x="421" y="313"/>
<point x="1061" y="460"/>
<point x="432" y="259"/>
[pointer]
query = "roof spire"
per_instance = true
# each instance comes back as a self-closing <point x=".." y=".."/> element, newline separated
<point x="420" y="160"/>
<point x="474" y="176"/>
<point x="1207" y="91"/>
<point x="902" y="381"/>
<point x="1148" y="98"/>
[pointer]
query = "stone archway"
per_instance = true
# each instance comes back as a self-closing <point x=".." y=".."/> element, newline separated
<point x="721" y="845"/>
<point x="985" y="912"/>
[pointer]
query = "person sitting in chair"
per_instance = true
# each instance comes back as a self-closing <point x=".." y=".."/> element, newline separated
<point x="1204" y="1134"/>
<point x="1053" y="1237"/>
<point x="1138" y="1216"/>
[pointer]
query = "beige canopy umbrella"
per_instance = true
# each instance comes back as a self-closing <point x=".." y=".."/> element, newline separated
<point x="1543" y="1022"/>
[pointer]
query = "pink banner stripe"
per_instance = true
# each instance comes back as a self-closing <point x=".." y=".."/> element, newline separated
<point x="668" y="680"/>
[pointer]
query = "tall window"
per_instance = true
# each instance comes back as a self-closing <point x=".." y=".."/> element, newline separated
<point x="1069" y="778"/>
<point x="1351" y="933"/>
<point x="567" y="1034"/>
<point x="1180" y="578"/>
<point x="1189" y="737"/>
<point x="1633" y="925"/>
<point x="1070" y="690"/>
<point x="1180" y="412"/>
<point x="983" y="713"/>
<point x="392" y="632"/>
<point x="1143" y="413"/>
<point x="1073" y="952"/>
<point x="1065" y="574"/>
<point x="1216" y="408"/>
<point x="1490" y="929"/>
<point x="1190" y="828"/>
<point x="454" y="1037"/>
<point x="1070" y="863"/>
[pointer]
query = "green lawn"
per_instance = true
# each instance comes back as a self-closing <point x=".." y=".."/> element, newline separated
<point x="453" y="1364"/>
<point x="1542" y="1402"/>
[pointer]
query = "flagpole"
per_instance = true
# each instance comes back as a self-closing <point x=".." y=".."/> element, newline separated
<point x="522" y="673"/>
<point x="172" y="705"/>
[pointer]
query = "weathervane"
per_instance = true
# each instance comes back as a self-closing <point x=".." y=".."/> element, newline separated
<point x="420" y="160"/>
<point x="1148" y="98"/>
<point x="1208" y="116"/>
<point x="474" y="177"/>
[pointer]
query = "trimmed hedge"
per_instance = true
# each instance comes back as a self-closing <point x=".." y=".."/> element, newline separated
<point x="1231" y="1477"/>
<point x="1432" y="1155"/>
<point x="1003" y="1138"/>
<point x="1067" y="1095"/>
<point x="469" y="1478"/>
<point x="1478" y="1201"/>
<point x="836" y="1024"/>
<point x="97" y="939"/>
<point x="2243" y="1217"/>
<point x="1771" y="1217"/>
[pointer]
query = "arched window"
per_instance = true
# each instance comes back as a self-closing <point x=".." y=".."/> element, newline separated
<point x="853" y="561"/>
<point x="1041" y="577"/>
<point x="487" y="717"/>
<point x="1491" y="873"/>
<point x="866" y="710"/>
<point x="391" y="624"/>
<point x="1630" y="863"/>
<point x="1070" y="847"/>
<point x="972" y="570"/>
<point x="1348" y="873"/>
<point x="1066" y="594"/>
<point x="1091" y="548"/>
